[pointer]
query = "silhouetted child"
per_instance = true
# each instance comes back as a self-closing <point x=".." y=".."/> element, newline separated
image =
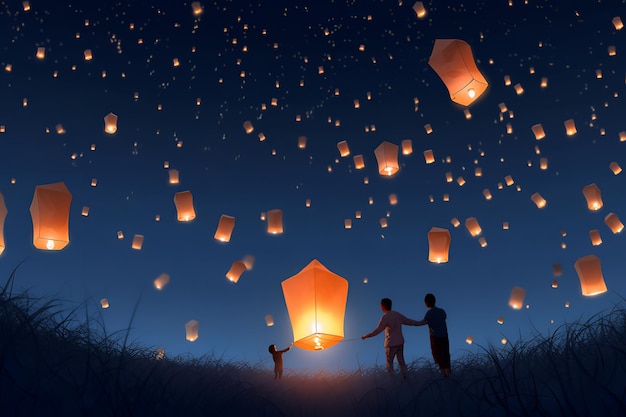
<point x="439" y="344"/>
<point x="277" y="355"/>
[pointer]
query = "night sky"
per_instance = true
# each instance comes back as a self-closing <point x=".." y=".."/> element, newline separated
<point x="260" y="62"/>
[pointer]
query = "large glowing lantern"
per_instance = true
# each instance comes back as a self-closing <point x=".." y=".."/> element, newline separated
<point x="161" y="281"/>
<point x="235" y="271"/>
<point x="184" y="206"/>
<point x="438" y="244"/>
<point x="516" y="301"/>
<point x="453" y="61"/>
<point x="50" y="211"/>
<point x="316" y="302"/>
<point x="191" y="330"/>
<point x="387" y="158"/>
<point x="593" y="196"/>
<point x="589" y="273"/>
<point x="3" y="216"/>
<point x="110" y="123"/>
<point x="275" y="221"/>
<point x="224" y="228"/>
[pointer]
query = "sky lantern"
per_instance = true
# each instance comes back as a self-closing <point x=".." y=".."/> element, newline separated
<point x="196" y="8"/>
<point x="161" y="281"/>
<point x="225" y="228"/>
<point x="539" y="201"/>
<point x="174" y="177"/>
<point x="41" y="52"/>
<point x="570" y="127"/>
<point x="347" y="223"/>
<point x="538" y="131"/>
<point x="617" y="23"/>
<point x="302" y="142"/>
<point x="594" y="235"/>
<point x="137" y="242"/>
<point x="3" y="216"/>
<point x="543" y="163"/>
<point x="87" y="55"/>
<point x="50" y="211"/>
<point x="419" y="9"/>
<point x="269" y="320"/>
<point x="316" y="301"/>
<point x="274" y="221"/>
<point x="235" y="271"/>
<point x="247" y="126"/>
<point x="614" y="223"/>
<point x="104" y="303"/>
<point x="191" y="330"/>
<point x="438" y="245"/>
<point x="516" y="301"/>
<point x="110" y="123"/>
<point x="407" y="147"/>
<point x="184" y="206"/>
<point x="359" y="163"/>
<point x="557" y="270"/>
<point x="589" y="273"/>
<point x="614" y="166"/>
<point x="387" y="157"/>
<point x="344" y="150"/>
<point x="472" y="226"/>
<point x="593" y="196"/>
<point x="429" y="157"/>
<point x="453" y="61"/>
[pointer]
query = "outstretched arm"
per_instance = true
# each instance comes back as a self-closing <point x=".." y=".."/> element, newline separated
<point x="411" y="322"/>
<point x="380" y="328"/>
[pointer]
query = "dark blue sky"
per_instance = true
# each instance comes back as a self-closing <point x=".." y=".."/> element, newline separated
<point x="234" y="173"/>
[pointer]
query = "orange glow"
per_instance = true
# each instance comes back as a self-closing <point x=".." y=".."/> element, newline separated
<point x="589" y="272"/>
<point x="50" y="210"/>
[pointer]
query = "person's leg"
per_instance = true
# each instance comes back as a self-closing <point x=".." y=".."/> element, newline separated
<point x="389" y="354"/>
<point x="446" y="356"/>
<point x="401" y="362"/>
<point x="434" y="348"/>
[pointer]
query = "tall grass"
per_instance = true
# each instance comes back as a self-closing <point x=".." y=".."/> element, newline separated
<point x="59" y="363"/>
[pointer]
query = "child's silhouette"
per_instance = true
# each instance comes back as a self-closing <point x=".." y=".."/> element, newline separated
<point x="277" y="355"/>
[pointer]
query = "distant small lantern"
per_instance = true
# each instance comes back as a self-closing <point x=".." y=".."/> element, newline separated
<point x="543" y="163"/>
<point x="3" y="216"/>
<point x="469" y="340"/>
<point x="137" y="242"/>
<point x="516" y="301"/>
<point x="110" y="123"/>
<point x="472" y="226"/>
<point x="236" y="269"/>
<point x="161" y="281"/>
<point x="41" y="52"/>
<point x="104" y="303"/>
<point x="174" y="176"/>
<point x="50" y="210"/>
<point x="589" y="272"/>
<point x="487" y="194"/>
<point x="570" y="127"/>
<point x="347" y="223"/>
<point x="191" y="330"/>
<point x="275" y="221"/>
<point x="617" y="23"/>
<point x="269" y="320"/>
<point x="247" y="126"/>
<point x="555" y="284"/>
<point x="594" y="235"/>
<point x="557" y="270"/>
<point x="614" y="223"/>
<point x="359" y="163"/>
<point x="316" y="302"/>
<point x="593" y="196"/>
<point x="344" y="150"/>
<point x="419" y="9"/>
<point x="302" y="142"/>
<point x="614" y="166"/>
<point x="453" y="61"/>
<point x="500" y="320"/>
<point x="539" y="201"/>
<point x="185" y="211"/>
<point x="225" y="228"/>
<point x="87" y="55"/>
<point x="438" y="245"/>
<point x="407" y="147"/>
<point x="196" y="8"/>
<point x="538" y="131"/>
<point x="387" y="158"/>
<point x="429" y="157"/>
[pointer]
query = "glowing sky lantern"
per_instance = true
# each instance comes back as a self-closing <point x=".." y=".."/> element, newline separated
<point x="593" y="196"/>
<point x="570" y="127"/>
<point x="614" y="166"/>
<point x="407" y="147"/>
<point x="274" y="221"/>
<point x="161" y="281"/>
<point x="344" y="150"/>
<point x="557" y="270"/>
<point x="26" y="5"/>
<point x="538" y="131"/>
<point x="247" y="126"/>
<point x="137" y="242"/>
<point x="614" y="223"/>
<point x="3" y="216"/>
<point x="316" y="301"/>
<point x="225" y="228"/>
<point x="41" y="52"/>
<point x="438" y="245"/>
<point x="419" y="9"/>
<point x="185" y="211"/>
<point x="595" y="237"/>
<point x="302" y="142"/>
<point x="50" y="211"/>
<point x="453" y="61"/>
<point x="174" y="177"/>
<point x="539" y="201"/>
<point x="104" y="303"/>
<point x="347" y="223"/>
<point x="196" y="8"/>
<point x="191" y="330"/>
<point x="110" y="123"/>
<point x="516" y="301"/>
<point x="269" y="320"/>
<point x="359" y="162"/>
<point x="236" y="269"/>
<point x="617" y="23"/>
<point x="429" y="157"/>
<point x="472" y="226"/>
<point x="589" y="272"/>
<point x="387" y="158"/>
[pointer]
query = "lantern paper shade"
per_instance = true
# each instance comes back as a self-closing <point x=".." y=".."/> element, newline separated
<point x="161" y="281"/>
<point x="593" y="196"/>
<point x="429" y="157"/>
<point x="516" y="301"/>
<point x="316" y="302"/>
<point x="589" y="273"/>
<point x="174" y="176"/>
<point x="614" y="166"/>
<point x="407" y="147"/>
<point x="344" y="150"/>
<point x="614" y="223"/>
<point x="235" y="271"/>
<point x="453" y="61"/>
<point x="269" y="320"/>
<point x="110" y="123"/>
<point x="539" y="201"/>
<point x="595" y="237"/>
<point x="538" y="131"/>
<point x="248" y="127"/>
<point x="224" y="228"/>
<point x="570" y="127"/>
<point x="137" y="242"/>
<point x="438" y="244"/>
<point x="184" y="206"/>
<point x="196" y="8"/>
<point x="419" y="9"/>
<point x="191" y="330"/>
<point x="359" y="163"/>
<point x="472" y="226"/>
<point x="50" y="210"/>
<point x="557" y="270"/>
<point x="275" y="221"/>
<point x="104" y="303"/>
<point x="387" y="158"/>
<point x="3" y="216"/>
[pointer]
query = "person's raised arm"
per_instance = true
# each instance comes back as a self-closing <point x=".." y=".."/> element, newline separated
<point x="410" y="322"/>
<point x="381" y="326"/>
